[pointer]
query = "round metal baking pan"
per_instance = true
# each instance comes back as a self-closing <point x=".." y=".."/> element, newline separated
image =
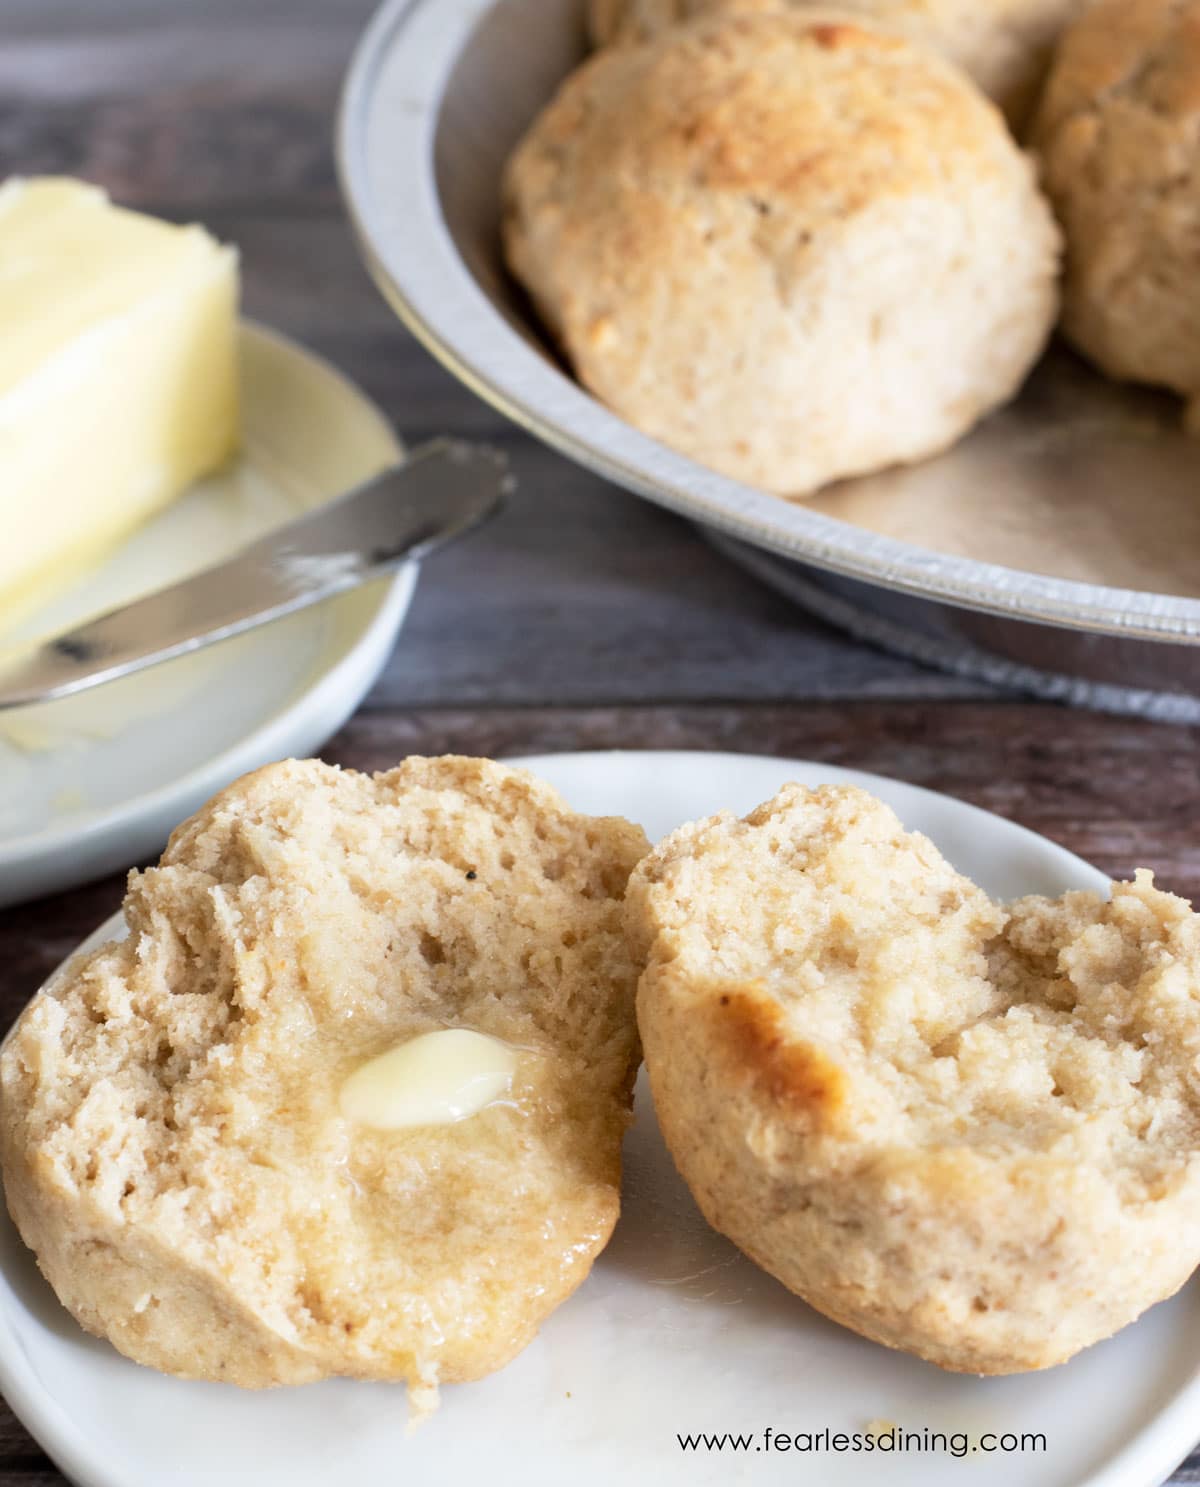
<point x="1070" y="516"/>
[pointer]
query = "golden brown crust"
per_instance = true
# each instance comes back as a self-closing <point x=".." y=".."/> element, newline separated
<point x="965" y="1132"/>
<point x="1118" y="132"/>
<point x="787" y="245"/>
<point x="1004" y="45"/>
<point x="173" y="1147"/>
<point x="795" y="1079"/>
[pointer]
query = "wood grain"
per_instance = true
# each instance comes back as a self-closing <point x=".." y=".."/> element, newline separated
<point x="581" y="618"/>
<point x="1119" y="792"/>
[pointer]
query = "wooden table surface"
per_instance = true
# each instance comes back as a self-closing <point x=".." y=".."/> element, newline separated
<point x="581" y="618"/>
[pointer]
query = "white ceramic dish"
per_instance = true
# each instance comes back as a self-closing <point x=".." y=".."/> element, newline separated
<point x="93" y="783"/>
<point x="674" y="1331"/>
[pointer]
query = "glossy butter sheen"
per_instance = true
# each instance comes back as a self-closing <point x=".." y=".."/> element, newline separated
<point x="118" y="376"/>
<point x="434" y="1079"/>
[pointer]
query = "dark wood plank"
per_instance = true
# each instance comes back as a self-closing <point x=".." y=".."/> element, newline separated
<point x="579" y="592"/>
<point x="1120" y="792"/>
<point x="183" y="105"/>
<point x="67" y="19"/>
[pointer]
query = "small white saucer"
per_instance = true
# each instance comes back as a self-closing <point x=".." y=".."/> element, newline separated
<point x="93" y="783"/>
<point x="673" y="1333"/>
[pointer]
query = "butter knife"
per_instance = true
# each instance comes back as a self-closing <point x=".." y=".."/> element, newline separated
<point x="441" y="490"/>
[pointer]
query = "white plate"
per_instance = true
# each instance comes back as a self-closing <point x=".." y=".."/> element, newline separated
<point x="93" y="783"/>
<point x="673" y="1332"/>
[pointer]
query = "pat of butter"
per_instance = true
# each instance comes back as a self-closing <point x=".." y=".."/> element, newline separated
<point x="118" y="376"/>
<point x="435" y="1079"/>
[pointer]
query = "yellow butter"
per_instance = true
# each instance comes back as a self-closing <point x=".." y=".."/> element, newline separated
<point x="435" y="1079"/>
<point x="118" y="381"/>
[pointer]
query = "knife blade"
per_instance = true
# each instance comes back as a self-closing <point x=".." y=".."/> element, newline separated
<point x="440" y="491"/>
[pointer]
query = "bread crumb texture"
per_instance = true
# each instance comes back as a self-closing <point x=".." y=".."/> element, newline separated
<point x="172" y="1145"/>
<point x="967" y="1131"/>
<point x="789" y="246"/>
<point x="1003" y="45"/>
<point x="1119" y="136"/>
